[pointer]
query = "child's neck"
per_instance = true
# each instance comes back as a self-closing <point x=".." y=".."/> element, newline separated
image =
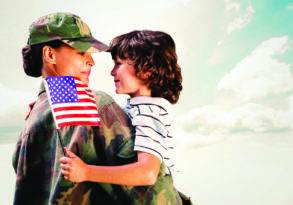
<point x="141" y="92"/>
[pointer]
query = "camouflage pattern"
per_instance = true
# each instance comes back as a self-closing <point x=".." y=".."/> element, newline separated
<point x="37" y="154"/>
<point x="66" y="27"/>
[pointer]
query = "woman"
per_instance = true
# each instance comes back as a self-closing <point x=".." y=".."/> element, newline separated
<point x="61" y="44"/>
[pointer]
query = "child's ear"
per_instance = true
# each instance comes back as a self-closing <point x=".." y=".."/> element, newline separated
<point x="146" y="75"/>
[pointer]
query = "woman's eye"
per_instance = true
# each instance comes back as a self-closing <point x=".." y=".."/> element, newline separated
<point x="81" y="53"/>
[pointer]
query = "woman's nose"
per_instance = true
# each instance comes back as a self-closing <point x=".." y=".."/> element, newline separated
<point x="89" y="59"/>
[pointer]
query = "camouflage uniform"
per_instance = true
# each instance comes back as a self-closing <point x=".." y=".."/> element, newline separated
<point x="37" y="154"/>
<point x="36" y="160"/>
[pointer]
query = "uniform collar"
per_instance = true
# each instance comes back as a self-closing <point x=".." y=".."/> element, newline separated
<point x="41" y="89"/>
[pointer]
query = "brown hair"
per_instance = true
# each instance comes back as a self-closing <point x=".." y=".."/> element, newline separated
<point x="32" y="57"/>
<point x="154" y="57"/>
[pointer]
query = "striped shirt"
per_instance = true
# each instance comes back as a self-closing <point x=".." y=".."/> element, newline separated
<point x="149" y="116"/>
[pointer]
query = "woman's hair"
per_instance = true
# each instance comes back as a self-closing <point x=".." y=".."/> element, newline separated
<point x="32" y="56"/>
<point x="154" y="58"/>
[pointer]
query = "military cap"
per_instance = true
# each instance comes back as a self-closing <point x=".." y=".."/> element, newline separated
<point x="66" y="27"/>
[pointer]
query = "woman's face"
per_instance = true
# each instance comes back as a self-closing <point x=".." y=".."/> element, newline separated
<point x="69" y="61"/>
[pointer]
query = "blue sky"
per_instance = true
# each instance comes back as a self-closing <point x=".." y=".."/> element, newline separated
<point x="236" y="57"/>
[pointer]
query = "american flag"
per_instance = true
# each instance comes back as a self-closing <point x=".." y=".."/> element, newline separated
<point x="72" y="102"/>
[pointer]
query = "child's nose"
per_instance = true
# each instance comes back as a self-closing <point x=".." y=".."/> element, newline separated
<point x="113" y="71"/>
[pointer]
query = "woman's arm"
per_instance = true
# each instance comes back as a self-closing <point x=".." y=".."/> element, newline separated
<point x="142" y="172"/>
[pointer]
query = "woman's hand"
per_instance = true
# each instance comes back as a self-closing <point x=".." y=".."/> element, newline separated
<point x="72" y="167"/>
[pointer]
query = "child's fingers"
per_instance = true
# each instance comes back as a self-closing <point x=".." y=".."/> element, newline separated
<point x="69" y="153"/>
<point x="65" y="160"/>
<point x="65" y="167"/>
<point x="65" y="173"/>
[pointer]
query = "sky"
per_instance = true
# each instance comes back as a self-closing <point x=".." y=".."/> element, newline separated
<point x="236" y="58"/>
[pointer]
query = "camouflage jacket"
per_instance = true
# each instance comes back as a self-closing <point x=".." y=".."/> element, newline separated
<point x="37" y="154"/>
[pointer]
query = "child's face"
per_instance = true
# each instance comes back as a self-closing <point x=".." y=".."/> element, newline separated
<point x="126" y="81"/>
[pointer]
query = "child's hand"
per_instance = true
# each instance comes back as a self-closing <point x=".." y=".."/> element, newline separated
<point x="72" y="167"/>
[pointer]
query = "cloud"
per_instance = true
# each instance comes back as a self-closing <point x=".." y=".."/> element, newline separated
<point x="290" y="105"/>
<point x="247" y="103"/>
<point x="184" y="2"/>
<point x="239" y="18"/>
<point x="186" y="139"/>
<point x="213" y="119"/>
<point x="206" y="119"/>
<point x="13" y="104"/>
<point x="242" y="21"/>
<point x="232" y="6"/>
<point x="260" y="74"/>
<point x="290" y="6"/>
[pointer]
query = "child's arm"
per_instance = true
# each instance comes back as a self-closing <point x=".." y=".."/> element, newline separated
<point x="142" y="172"/>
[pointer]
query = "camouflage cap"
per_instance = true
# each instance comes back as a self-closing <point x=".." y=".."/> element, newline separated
<point x="66" y="27"/>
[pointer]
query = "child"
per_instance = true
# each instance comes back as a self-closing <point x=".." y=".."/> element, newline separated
<point x="146" y="69"/>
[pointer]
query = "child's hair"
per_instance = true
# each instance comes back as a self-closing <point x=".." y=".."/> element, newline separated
<point x="154" y="57"/>
<point x="32" y="56"/>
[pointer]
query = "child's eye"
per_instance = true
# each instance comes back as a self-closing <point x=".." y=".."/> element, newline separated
<point x="117" y="63"/>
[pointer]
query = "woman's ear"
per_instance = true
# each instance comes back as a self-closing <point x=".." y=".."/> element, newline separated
<point x="49" y="61"/>
<point x="49" y="55"/>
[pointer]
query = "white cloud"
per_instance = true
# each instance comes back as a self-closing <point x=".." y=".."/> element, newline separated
<point x="213" y="119"/>
<point x="242" y="21"/>
<point x="186" y="139"/>
<point x="260" y="74"/>
<point x="206" y="119"/>
<point x="239" y="18"/>
<point x="290" y="6"/>
<point x="291" y="108"/>
<point x="13" y="103"/>
<point x="184" y="2"/>
<point x="254" y="79"/>
<point x="219" y="43"/>
<point x="232" y="6"/>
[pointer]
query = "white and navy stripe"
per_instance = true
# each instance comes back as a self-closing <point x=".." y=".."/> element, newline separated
<point x="149" y="116"/>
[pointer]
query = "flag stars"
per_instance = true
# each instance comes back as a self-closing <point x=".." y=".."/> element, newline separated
<point x="62" y="89"/>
